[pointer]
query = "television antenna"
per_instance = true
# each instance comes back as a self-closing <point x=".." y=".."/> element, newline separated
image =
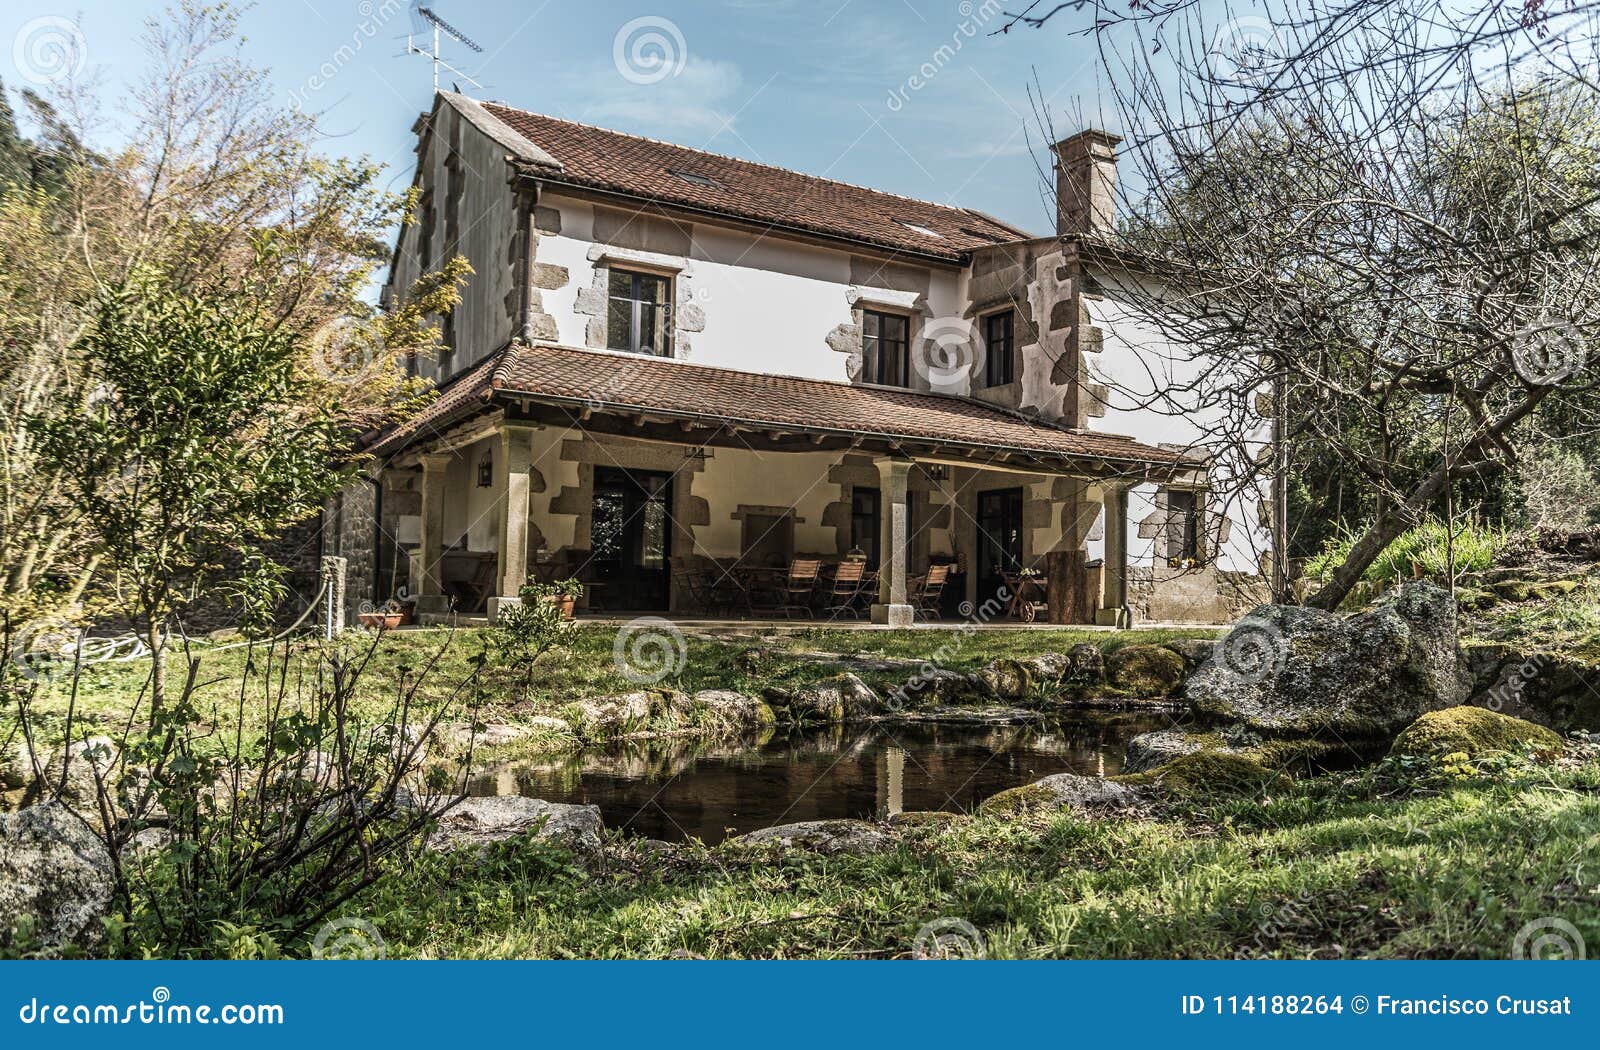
<point x="424" y="20"/>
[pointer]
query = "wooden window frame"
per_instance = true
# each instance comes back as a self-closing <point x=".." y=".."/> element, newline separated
<point x="666" y="319"/>
<point x="1000" y="369"/>
<point x="872" y="360"/>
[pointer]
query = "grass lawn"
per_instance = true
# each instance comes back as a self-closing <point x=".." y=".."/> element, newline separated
<point x="1387" y="862"/>
<point x="588" y="668"/>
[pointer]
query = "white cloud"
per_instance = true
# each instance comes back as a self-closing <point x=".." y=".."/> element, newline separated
<point x="700" y="98"/>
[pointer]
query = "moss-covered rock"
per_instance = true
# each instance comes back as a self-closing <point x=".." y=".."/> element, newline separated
<point x="1513" y="590"/>
<point x="1550" y="589"/>
<point x="1145" y="670"/>
<point x="1151" y="750"/>
<point x="1083" y="795"/>
<point x="1203" y="772"/>
<point x="1557" y="691"/>
<point x="837" y="699"/>
<point x="1474" y="732"/>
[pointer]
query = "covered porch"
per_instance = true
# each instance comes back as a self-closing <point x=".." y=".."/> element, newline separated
<point x="723" y="496"/>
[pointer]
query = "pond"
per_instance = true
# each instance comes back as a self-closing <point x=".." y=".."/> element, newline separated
<point x="677" y="790"/>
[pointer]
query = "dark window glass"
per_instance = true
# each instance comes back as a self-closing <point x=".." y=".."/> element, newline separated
<point x="999" y="538"/>
<point x="1183" y="526"/>
<point x="999" y="349"/>
<point x="638" y="317"/>
<point x="866" y="523"/>
<point x="886" y="349"/>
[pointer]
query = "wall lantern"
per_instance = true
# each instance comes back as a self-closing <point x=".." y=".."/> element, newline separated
<point x="486" y="471"/>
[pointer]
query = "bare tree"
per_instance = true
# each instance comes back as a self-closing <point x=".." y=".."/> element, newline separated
<point x="1376" y="222"/>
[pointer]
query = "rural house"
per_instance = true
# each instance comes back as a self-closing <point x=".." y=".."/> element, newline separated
<point x="672" y="366"/>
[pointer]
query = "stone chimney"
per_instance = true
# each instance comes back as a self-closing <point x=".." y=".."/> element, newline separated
<point x="1086" y="184"/>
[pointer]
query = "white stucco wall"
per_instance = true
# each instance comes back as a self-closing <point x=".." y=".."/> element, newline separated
<point x="769" y="304"/>
<point x="1146" y="378"/>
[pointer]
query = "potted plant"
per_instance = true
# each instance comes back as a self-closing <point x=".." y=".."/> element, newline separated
<point x="386" y="618"/>
<point x="563" y="594"/>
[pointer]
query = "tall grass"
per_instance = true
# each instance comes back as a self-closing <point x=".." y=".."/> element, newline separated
<point x="1423" y="550"/>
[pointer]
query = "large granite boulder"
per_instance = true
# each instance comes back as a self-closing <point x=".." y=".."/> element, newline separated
<point x="827" y="837"/>
<point x="55" y="881"/>
<point x="1285" y="669"/>
<point x="480" y="821"/>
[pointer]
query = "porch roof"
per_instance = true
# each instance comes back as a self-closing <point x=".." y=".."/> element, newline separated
<point x="585" y="383"/>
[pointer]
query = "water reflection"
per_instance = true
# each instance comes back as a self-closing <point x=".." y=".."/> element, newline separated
<point x="678" y="789"/>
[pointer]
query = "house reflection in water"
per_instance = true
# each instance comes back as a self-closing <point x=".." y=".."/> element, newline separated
<point x="676" y="789"/>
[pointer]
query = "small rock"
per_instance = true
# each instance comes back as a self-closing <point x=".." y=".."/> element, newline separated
<point x="56" y="874"/>
<point x="838" y="699"/>
<point x="1473" y="732"/>
<point x="926" y="818"/>
<point x="1145" y="670"/>
<point x="733" y="710"/>
<point x="827" y="837"/>
<point x="1148" y="750"/>
<point x="1086" y="796"/>
<point x="609" y="716"/>
<point x="82" y="763"/>
<point x="936" y="685"/>
<point x="479" y="821"/>
<point x="1194" y="651"/>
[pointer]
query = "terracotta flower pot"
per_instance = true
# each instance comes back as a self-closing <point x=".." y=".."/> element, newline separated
<point x="381" y="621"/>
<point x="567" y="604"/>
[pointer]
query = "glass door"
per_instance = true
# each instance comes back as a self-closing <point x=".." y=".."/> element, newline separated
<point x="999" y="539"/>
<point x="631" y="537"/>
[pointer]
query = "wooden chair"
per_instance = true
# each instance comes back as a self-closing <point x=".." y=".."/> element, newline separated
<point x="693" y="581"/>
<point x="474" y="594"/>
<point x="845" y="588"/>
<point x="930" y="589"/>
<point x="800" y="586"/>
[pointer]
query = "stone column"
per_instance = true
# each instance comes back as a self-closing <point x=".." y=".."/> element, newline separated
<point x="513" y="464"/>
<point x="893" y="608"/>
<point x="1113" y="610"/>
<point x="428" y="573"/>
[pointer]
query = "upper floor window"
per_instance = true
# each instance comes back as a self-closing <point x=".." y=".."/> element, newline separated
<point x="999" y="361"/>
<point x="886" y="348"/>
<point x="639" y="318"/>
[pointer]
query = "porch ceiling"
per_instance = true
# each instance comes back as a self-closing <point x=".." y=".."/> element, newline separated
<point x="664" y="400"/>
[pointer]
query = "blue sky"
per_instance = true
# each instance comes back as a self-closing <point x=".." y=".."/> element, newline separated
<point x="823" y="87"/>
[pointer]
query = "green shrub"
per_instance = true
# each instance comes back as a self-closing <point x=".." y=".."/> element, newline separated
<point x="1426" y="546"/>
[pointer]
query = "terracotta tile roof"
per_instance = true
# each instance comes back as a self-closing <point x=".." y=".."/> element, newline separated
<point x="640" y="167"/>
<point x="459" y="397"/>
<point x="601" y="380"/>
